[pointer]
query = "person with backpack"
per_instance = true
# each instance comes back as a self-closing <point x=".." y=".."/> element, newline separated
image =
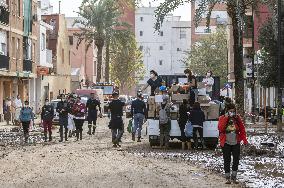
<point x="164" y="125"/>
<point x="92" y="105"/>
<point x="197" y="117"/>
<point x="47" y="115"/>
<point x="138" y="112"/>
<point x="116" y="122"/>
<point x="183" y="119"/>
<point x="79" y="111"/>
<point x="231" y="133"/>
<point x="63" y="109"/>
<point x="26" y="115"/>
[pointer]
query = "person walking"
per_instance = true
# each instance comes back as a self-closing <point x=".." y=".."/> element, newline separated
<point x="116" y="122"/>
<point x="209" y="82"/>
<point x="25" y="117"/>
<point x="71" y="126"/>
<point x="79" y="111"/>
<point x="63" y="109"/>
<point x="164" y="125"/>
<point x="92" y="105"/>
<point x="138" y="112"/>
<point x="47" y="115"/>
<point x="197" y="117"/>
<point x="183" y="119"/>
<point x="7" y="110"/>
<point x="232" y="132"/>
<point x="18" y="106"/>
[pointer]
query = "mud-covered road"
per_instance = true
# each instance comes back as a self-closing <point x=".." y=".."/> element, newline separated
<point x="93" y="162"/>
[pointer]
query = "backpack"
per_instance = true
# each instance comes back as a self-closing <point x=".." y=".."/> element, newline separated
<point x="26" y="114"/>
<point x="163" y="117"/>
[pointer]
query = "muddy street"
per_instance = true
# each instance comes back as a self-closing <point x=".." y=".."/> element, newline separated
<point x="93" y="162"/>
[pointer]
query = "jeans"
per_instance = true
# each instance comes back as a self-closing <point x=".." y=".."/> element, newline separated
<point x="116" y="135"/>
<point x="229" y="150"/>
<point x="164" y="135"/>
<point x="138" y="122"/>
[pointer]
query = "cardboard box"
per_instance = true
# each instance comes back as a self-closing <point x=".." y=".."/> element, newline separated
<point x="213" y="111"/>
<point x="175" y="88"/>
<point x="205" y="110"/>
<point x="151" y="114"/>
<point x="174" y="115"/>
<point x="180" y="97"/>
<point x="201" y="85"/>
<point x="202" y="92"/>
<point x="158" y="98"/>
<point x="152" y="107"/>
<point x="151" y="100"/>
<point x="203" y="99"/>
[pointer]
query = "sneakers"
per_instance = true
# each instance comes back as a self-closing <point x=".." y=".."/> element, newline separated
<point x="234" y="177"/>
<point x="228" y="179"/>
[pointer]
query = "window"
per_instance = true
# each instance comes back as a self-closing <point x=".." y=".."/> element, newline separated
<point x="62" y="55"/>
<point x="69" y="57"/>
<point x="161" y="48"/>
<point x="141" y="19"/>
<point x="33" y="52"/>
<point x="182" y="34"/>
<point x="178" y="49"/>
<point x="161" y="62"/>
<point x="71" y="40"/>
<point x="141" y="33"/>
<point x="141" y="48"/>
<point x="3" y="49"/>
<point x="18" y="47"/>
<point x="161" y="33"/>
<point x="43" y="42"/>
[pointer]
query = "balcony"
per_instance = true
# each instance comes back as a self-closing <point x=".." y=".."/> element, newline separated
<point x="4" y="62"/>
<point x="4" y="15"/>
<point x="28" y="65"/>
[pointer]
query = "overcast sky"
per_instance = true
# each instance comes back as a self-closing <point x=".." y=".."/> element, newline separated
<point x="69" y="7"/>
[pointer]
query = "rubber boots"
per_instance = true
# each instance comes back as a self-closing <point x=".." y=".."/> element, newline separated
<point x="189" y="146"/>
<point x="77" y="135"/>
<point x="94" y="130"/>
<point x="50" y="137"/>
<point x="90" y="130"/>
<point x="80" y="135"/>
<point x="45" y="137"/>
<point x="183" y="145"/>
<point x="133" y="136"/>
<point x="139" y="139"/>
<point x="66" y="134"/>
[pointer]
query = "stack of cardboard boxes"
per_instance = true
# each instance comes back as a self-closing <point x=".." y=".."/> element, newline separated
<point x="151" y="107"/>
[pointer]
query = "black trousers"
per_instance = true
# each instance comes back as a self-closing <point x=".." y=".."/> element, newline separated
<point x="200" y="132"/>
<point x="26" y="127"/>
<point x="79" y="124"/>
<point x="229" y="150"/>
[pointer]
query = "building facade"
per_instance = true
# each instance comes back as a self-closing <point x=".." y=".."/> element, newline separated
<point x="18" y="54"/>
<point x="57" y="40"/>
<point x="163" y="50"/>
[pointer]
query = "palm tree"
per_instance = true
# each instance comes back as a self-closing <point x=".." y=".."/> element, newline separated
<point x="99" y="20"/>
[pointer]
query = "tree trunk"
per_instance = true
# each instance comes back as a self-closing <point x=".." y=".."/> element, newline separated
<point x="99" y="60"/>
<point x="107" y="66"/>
<point x="238" y="63"/>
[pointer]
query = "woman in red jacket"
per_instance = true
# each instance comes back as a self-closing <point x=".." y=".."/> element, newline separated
<point x="232" y="132"/>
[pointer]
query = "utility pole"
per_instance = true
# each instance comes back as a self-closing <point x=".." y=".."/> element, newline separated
<point x="280" y="59"/>
<point x="253" y="71"/>
<point x="59" y="7"/>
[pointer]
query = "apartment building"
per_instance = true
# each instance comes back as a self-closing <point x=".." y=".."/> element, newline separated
<point x="18" y="44"/>
<point x="164" y="50"/>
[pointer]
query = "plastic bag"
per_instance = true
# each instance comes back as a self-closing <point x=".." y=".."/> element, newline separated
<point x="129" y="127"/>
<point x="188" y="130"/>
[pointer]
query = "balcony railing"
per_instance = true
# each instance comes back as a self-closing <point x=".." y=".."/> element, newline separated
<point x="28" y="66"/>
<point x="4" y="15"/>
<point x="4" y="62"/>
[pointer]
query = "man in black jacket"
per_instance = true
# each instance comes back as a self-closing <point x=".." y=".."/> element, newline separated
<point x="47" y="115"/>
<point x="138" y="112"/>
<point x="92" y="105"/>
<point x="116" y="122"/>
<point x="63" y="108"/>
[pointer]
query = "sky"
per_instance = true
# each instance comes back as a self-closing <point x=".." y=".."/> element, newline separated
<point x="69" y="8"/>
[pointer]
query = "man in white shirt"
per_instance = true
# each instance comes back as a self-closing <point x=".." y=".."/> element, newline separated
<point x="209" y="82"/>
<point x="18" y="106"/>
